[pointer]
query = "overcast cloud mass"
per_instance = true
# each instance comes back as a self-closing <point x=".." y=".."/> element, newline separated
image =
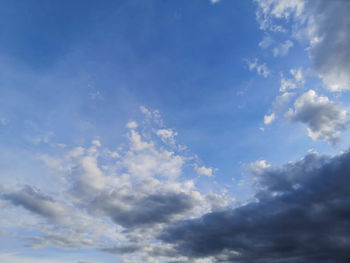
<point x="187" y="131"/>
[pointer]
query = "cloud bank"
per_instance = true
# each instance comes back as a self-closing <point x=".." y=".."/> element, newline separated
<point x="301" y="214"/>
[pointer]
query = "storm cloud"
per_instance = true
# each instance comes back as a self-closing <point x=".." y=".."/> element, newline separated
<point x="301" y="214"/>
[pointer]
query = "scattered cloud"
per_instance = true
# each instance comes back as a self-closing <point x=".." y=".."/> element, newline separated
<point x="261" y="69"/>
<point x="323" y="26"/>
<point x="296" y="82"/>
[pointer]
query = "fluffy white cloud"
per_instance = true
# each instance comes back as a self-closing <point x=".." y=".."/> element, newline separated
<point x="325" y="119"/>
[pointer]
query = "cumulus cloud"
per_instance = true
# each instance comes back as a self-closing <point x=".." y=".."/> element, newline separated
<point x="117" y="202"/>
<point x="301" y="215"/>
<point x="325" y="119"/>
<point x="324" y="26"/>
<point x="261" y="69"/>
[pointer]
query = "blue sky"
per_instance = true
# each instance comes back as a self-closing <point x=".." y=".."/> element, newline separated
<point x="113" y="111"/>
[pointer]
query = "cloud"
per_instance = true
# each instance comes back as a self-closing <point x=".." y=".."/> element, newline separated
<point x="261" y="69"/>
<point x="324" y="27"/>
<point x="325" y="119"/>
<point x="266" y="42"/>
<point x="37" y="202"/>
<point x="131" y="125"/>
<point x="167" y="135"/>
<point x="117" y="202"/>
<point x="301" y="215"/>
<point x="132" y="210"/>
<point x="268" y="119"/>
<point x="278" y="107"/>
<point x="296" y="82"/>
<point x="283" y="49"/>
<point x="15" y="258"/>
<point x="202" y="170"/>
<point x="257" y="167"/>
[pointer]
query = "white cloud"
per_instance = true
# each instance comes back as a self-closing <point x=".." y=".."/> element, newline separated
<point x="261" y="69"/>
<point x="283" y="49"/>
<point x="167" y="135"/>
<point x="96" y="142"/>
<point x="131" y="125"/>
<point x="297" y="81"/>
<point x="266" y="42"/>
<point x="325" y="119"/>
<point x="257" y="167"/>
<point x="268" y="119"/>
<point x="202" y="170"/>
<point x="96" y="95"/>
<point x="323" y="25"/>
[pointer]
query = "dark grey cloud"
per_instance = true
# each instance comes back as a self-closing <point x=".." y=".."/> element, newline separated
<point x="123" y="249"/>
<point x="132" y="210"/>
<point x="36" y="202"/>
<point x="301" y="214"/>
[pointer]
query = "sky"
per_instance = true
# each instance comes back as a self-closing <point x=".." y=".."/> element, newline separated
<point x="200" y="131"/>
